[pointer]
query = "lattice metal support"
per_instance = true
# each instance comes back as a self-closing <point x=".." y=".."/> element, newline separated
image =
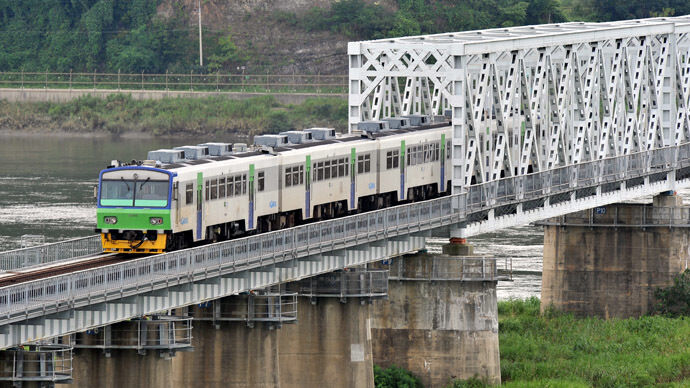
<point x="536" y="98"/>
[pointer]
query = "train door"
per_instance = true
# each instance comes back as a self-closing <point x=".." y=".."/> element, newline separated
<point x="443" y="163"/>
<point x="353" y="171"/>
<point x="307" y="188"/>
<point x="251" y="197"/>
<point x="402" y="170"/>
<point x="199" y="205"/>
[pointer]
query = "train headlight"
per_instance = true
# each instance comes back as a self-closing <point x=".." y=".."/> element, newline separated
<point x="156" y="221"/>
<point x="110" y="220"/>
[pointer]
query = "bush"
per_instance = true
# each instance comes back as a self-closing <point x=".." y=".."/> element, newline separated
<point x="395" y="377"/>
<point x="674" y="301"/>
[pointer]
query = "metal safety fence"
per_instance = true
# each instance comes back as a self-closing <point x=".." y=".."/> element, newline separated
<point x="351" y="283"/>
<point x="39" y="364"/>
<point x="212" y="82"/>
<point x="156" y="272"/>
<point x="49" y="253"/>
<point x="463" y="269"/>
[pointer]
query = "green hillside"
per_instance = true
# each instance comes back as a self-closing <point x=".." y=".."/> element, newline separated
<point x="157" y="36"/>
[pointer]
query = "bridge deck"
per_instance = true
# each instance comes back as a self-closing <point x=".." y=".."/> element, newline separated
<point x="95" y="297"/>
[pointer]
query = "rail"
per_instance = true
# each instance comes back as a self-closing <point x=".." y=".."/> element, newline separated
<point x="49" y="253"/>
<point x="216" y="82"/>
<point x="163" y="271"/>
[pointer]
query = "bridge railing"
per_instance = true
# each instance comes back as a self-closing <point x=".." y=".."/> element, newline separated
<point x="49" y="253"/>
<point x="231" y="256"/>
<point x="275" y="247"/>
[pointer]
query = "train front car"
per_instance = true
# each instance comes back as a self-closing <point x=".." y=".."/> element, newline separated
<point x="134" y="209"/>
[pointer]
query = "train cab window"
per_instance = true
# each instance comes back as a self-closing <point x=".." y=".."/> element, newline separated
<point x="214" y="188"/>
<point x="221" y="187"/>
<point x="260" y="181"/>
<point x="189" y="193"/>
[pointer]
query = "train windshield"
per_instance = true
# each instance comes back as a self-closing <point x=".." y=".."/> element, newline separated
<point x="138" y="188"/>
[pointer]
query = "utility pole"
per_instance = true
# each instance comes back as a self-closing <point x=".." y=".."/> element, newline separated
<point x="201" y="49"/>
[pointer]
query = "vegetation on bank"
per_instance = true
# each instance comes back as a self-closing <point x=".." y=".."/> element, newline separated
<point x="158" y="36"/>
<point x="556" y="349"/>
<point x="120" y="114"/>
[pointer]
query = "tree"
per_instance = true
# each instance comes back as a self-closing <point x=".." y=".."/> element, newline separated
<point x="225" y="54"/>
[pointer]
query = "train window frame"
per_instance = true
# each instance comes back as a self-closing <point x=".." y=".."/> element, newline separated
<point x="288" y="176"/>
<point x="230" y="186"/>
<point x="238" y="186"/>
<point x="301" y="174"/>
<point x="326" y="169"/>
<point x="295" y="176"/>
<point x="260" y="181"/>
<point x="244" y="184"/>
<point x="214" y="188"/>
<point x="207" y="185"/>
<point x="221" y="187"/>
<point x="189" y="194"/>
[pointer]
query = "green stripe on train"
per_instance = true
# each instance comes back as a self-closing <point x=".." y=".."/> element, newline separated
<point x="134" y="219"/>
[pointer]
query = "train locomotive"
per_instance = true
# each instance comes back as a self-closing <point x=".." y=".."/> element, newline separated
<point x="197" y="194"/>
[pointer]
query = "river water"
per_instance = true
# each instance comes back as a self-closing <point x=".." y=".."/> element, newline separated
<point x="46" y="188"/>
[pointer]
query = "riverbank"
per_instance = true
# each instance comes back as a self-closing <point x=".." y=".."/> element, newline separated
<point x="122" y="115"/>
<point x="559" y="350"/>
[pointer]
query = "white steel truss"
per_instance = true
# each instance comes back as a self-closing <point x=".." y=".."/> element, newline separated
<point x="535" y="98"/>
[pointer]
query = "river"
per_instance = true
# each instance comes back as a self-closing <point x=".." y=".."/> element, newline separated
<point x="47" y="185"/>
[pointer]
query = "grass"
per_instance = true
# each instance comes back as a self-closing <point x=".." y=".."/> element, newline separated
<point x="559" y="350"/>
<point x="120" y="113"/>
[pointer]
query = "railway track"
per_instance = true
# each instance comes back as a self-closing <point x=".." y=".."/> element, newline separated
<point x="14" y="277"/>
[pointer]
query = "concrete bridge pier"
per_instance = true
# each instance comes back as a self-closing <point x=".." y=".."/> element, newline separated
<point x="608" y="261"/>
<point x="440" y="320"/>
<point x="130" y="354"/>
<point x="243" y="341"/>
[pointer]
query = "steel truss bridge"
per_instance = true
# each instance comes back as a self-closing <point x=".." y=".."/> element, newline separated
<point x="547" y="120"/>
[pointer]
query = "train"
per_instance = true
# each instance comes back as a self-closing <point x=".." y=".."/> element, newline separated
<point x="190" y="195"/>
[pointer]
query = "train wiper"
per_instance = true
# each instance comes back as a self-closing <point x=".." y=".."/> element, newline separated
<point x="142" y="185"/>
<point x="123" y="180"/>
